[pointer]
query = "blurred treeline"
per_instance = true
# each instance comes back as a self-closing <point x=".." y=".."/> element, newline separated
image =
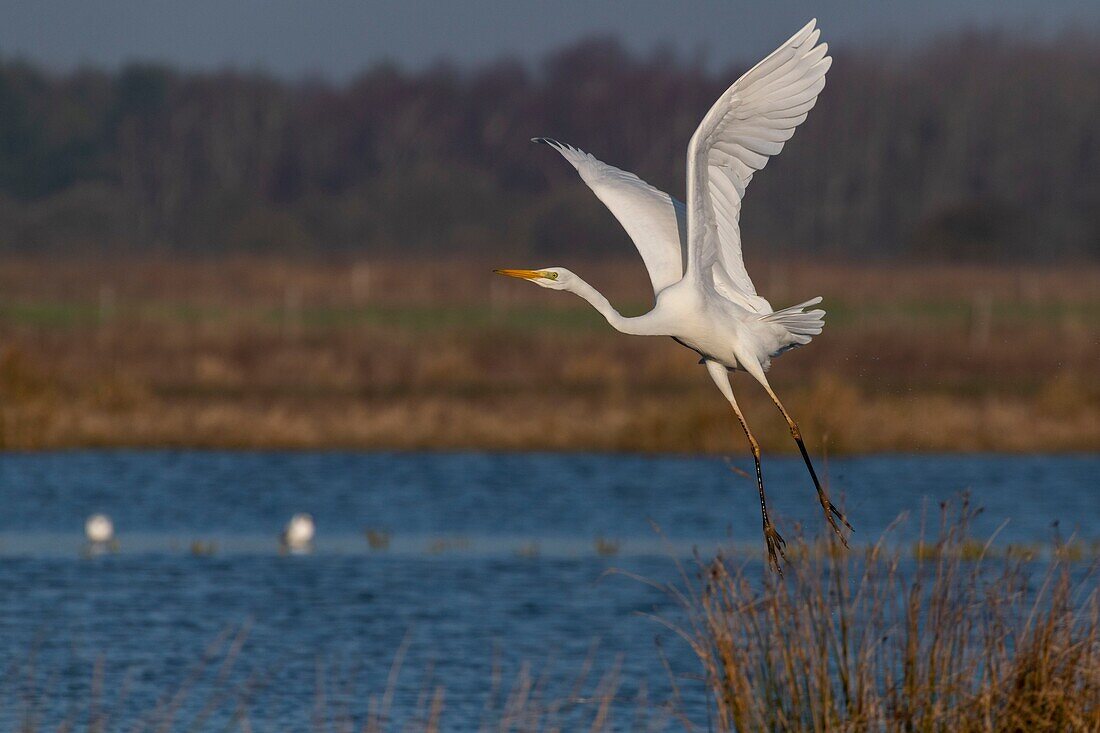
<point x="974" y="147"/>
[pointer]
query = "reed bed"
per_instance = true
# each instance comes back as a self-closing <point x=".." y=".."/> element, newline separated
<point x="879" y="641"/>
<point x="265" y="353"/>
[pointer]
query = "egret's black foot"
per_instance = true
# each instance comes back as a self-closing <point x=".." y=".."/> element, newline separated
<point x="832" y="514"/>
<point x="776" y="544"/>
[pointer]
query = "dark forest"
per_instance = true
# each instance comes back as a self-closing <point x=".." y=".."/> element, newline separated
<point x="975" y="147"/>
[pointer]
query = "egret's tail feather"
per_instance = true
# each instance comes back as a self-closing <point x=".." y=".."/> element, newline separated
<point x="801" y="324"/>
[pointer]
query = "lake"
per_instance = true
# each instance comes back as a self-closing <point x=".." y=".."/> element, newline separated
<point x="475" y="566"/>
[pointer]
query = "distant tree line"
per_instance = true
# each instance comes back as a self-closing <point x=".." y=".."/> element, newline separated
<point x="974" y="147"/>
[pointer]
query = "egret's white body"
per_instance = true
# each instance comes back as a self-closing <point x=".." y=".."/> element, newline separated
<point x="298" y="535"/>
<point x="99" y="529"/>
<point x="704" y="297"/>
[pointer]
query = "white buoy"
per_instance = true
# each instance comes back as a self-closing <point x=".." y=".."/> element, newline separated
<point x="99" y="529"/>
<point x="298" y="535"/>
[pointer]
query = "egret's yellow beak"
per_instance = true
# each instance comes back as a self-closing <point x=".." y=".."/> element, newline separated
<point x="523" y="274"/>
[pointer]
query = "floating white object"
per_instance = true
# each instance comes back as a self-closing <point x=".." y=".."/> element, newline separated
<point x="99" y="529"/>
<point x="299" y="532"/>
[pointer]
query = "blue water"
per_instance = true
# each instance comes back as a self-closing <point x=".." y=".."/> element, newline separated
<point x="492" y="563"/>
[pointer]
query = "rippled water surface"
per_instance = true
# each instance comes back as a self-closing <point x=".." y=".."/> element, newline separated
<point x="480" y="563"/>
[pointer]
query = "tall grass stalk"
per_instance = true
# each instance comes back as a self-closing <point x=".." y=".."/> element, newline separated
<point x="879" y="641"/>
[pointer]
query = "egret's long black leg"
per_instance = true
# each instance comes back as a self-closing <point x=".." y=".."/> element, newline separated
<point x="772" y="538"/>
<point x="827" y="506"/>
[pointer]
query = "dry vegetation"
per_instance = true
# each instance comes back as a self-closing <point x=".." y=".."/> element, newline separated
<point x="283" y="353"/>
<point x="876" y="643"/>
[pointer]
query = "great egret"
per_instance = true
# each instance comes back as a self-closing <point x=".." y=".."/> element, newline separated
<point x="711" y="306"/>
<point x="298" y="535"/>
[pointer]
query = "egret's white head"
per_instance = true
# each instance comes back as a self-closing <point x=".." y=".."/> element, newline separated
<point x="98" y="528"/>
<point x="554" y="278"/>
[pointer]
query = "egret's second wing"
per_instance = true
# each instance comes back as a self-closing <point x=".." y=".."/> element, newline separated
<point x="748" y="124"/>
<point x="654" y="220"/>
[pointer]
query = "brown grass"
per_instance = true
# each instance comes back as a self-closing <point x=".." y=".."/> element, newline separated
<point x="952" y="642"/>
<point x="257" y="353"/>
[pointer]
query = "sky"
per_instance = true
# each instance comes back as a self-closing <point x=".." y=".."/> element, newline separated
<point x="337" y="38"/>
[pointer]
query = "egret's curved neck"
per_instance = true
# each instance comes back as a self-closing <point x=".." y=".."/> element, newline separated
<point x="639" y="326"/>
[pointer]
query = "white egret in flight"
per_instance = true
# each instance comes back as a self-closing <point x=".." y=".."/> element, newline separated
<point x="704" y="297"/>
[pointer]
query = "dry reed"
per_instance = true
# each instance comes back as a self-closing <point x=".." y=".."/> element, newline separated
<point x="260" y="353"/>
<point x="874" y="641"/>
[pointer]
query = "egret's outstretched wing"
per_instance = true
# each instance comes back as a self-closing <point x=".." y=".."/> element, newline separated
<point x="749" y="123"/>
<point x="654" y="220"/>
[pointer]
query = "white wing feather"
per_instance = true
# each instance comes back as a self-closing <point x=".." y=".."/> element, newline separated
<point x="654" y="220"/>
<point x="749" y="123"/>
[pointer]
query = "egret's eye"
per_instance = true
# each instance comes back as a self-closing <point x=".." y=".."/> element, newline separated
<point x="550" y="275"/>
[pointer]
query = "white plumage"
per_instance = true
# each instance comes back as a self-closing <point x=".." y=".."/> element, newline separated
<point x="655" y="221"/>
<point x="99" y="529"/>
<point x="298" y="535"/>
<point x="749" y="123"/>
<point x="704" y="297"/>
